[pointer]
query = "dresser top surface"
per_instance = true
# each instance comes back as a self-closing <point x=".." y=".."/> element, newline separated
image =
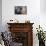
<point x="19" y="23"/>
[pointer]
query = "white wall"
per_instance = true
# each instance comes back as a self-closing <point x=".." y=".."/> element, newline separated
<point x="33" y="14"/>
<point x="33" y="10"/>
<point x="43" y="14"/>
<point x="43" y="6"/>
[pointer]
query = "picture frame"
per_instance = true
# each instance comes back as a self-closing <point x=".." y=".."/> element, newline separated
<point x="20" y="10"/>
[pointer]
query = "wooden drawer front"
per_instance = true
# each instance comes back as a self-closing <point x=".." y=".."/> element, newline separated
<point x="20" y="26"/>
<point x="20" y="29"/>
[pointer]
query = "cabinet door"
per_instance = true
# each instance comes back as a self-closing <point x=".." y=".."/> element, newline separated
<point x="24" y="38"/>
<point x="20" y="38"/>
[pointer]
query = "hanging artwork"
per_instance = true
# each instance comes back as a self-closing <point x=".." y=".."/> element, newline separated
<point x="20" y="10"/>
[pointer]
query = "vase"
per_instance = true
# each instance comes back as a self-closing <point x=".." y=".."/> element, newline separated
<point x="41" y="43"/>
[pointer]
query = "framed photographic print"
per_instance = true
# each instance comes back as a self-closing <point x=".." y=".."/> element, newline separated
<point x="20" y="10"/>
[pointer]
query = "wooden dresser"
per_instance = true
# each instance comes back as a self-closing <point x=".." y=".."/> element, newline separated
<point x="22" y="33"/>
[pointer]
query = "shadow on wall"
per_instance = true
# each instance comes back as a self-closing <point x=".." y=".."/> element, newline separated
<point x="0" y="15"/>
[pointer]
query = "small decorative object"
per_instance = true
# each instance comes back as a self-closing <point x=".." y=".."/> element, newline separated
<point x="20" y="10"/>
<point x="14" y="21"/>
<point x="41" y="36"/>
<point x="27" y="21"/>
<point x="11" y="20"/>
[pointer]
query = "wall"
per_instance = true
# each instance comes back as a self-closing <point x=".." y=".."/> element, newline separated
<point x="34" y="14"/>
<point x="43" y="14"/>
<point x="33" y="10"/>
<point x="43" y="6"/>
<point x="0" y="15"/>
